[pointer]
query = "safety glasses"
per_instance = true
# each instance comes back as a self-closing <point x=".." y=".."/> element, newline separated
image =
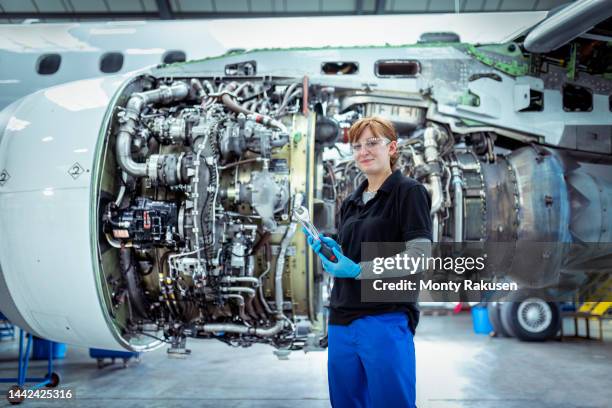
<point x="370" y="144"/>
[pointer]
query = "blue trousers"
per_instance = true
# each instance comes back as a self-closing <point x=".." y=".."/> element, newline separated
<point x="371" y="363"/>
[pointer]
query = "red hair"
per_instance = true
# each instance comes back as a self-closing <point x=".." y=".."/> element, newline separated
<point x="379" y="127"/>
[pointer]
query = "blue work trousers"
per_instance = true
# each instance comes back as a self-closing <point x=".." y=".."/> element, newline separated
<point x="371" y="363"/>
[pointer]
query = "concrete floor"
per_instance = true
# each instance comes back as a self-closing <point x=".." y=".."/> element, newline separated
<point x="455" y="368"/>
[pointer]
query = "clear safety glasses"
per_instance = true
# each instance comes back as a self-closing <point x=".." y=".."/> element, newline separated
<point x="370" y="145"/>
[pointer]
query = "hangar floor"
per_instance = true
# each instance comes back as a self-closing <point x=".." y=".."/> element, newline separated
<point x="455" y="368"/>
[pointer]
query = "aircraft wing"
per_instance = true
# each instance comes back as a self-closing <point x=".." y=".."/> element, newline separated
<point x="572" y="21"/>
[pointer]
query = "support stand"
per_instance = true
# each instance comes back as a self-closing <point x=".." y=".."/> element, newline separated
<point x="51" y="380"/>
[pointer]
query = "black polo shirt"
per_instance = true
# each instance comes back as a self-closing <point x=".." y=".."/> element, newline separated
<point x="399" y="212"/>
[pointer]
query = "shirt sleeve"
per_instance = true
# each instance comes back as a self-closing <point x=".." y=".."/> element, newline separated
<point x="414" y="207"/>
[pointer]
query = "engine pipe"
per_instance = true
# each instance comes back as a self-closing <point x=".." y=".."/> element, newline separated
<point x="129" y="119"/>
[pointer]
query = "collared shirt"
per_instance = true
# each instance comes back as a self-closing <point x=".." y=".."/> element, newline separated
<point x="399" y="212"/>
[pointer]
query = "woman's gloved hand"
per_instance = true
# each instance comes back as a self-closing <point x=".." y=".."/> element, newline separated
<point x="316" y="244"/>
<point x="343" y="268"/>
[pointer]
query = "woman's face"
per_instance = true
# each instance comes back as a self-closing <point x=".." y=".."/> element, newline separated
<point x="372" y="154"/>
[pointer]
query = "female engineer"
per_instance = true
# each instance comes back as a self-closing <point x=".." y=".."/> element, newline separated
<point x="371" y="358"/>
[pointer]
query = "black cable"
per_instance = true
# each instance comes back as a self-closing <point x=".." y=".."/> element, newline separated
<point x="154" y="337"/>
<point x="143" y="333"/>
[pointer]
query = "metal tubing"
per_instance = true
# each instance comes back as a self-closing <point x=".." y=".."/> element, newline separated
<point x="236" y="328"/>
<point x="431" y="156"/>
<point x="123" y="148"/>
<point x="458" y="209"/>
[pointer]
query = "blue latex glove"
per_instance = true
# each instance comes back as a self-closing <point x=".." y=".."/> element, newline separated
<point x="344" y="268"/>
<point x="316" y="244"/>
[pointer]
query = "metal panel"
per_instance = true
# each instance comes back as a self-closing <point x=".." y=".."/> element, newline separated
<point x="441" y="6"/>
<point x="125" y="5"/>
<point x="473" y="5"/>
<point x="491" y="5"/>
<point x="235" y="6"/>
<point x="299" y="5"/>
<point x="17" y="6"/>
<point x="411" y="6"/>
<point x="50" y="5"/>
<point x="89" y="6"/>
<point x="594" y="139"/>
<point x="347" y="6"/>
<point x="517" y="5"/>
<point x="262" y="6"/>
<point x="193" y="5"/>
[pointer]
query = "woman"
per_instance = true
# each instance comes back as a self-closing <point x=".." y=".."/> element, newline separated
<point x="371" y="360"/>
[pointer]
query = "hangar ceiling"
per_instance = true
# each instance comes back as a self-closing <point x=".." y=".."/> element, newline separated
<point x="17" y="11"/>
